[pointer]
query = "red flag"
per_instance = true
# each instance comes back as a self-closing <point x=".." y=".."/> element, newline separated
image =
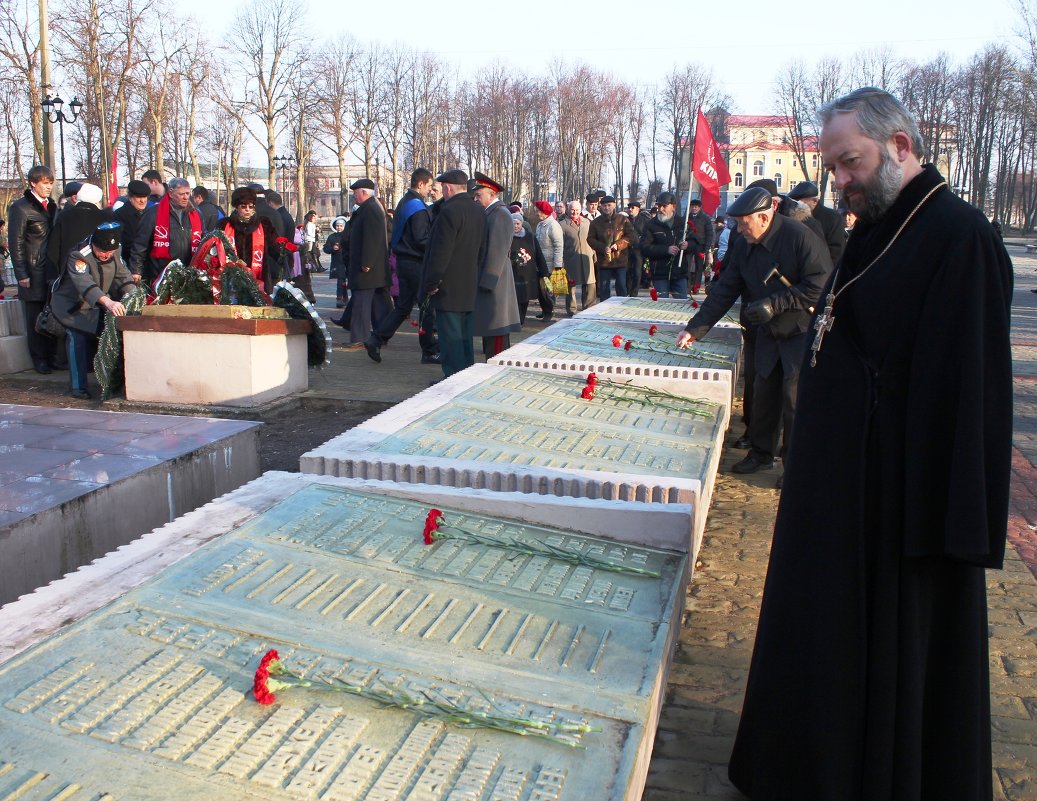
<point x="709" y="168"/>
<point x="113" y="181"/>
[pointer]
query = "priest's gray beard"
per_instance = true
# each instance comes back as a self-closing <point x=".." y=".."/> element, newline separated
<point x="665" y="218"/>
<point x="876" y="193"/>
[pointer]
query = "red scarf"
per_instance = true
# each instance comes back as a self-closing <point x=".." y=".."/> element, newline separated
<point x="258" y="248"/>
<point x="160" y="240"/>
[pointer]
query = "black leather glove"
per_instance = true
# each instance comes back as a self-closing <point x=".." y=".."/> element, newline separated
<point x="759" y="311"/>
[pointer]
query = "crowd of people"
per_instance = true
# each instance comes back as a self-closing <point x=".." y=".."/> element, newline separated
<point x="74" y="258"/>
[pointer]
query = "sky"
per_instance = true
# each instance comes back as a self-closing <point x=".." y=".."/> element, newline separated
<point x="640" y="42"/>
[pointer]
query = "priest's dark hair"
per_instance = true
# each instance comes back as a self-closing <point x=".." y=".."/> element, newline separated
<point x="419" y="176"/>
<point x="879" y="115"/>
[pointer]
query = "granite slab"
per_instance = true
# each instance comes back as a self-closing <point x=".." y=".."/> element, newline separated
<point x="582" y="345"/>
<point x="146" y="695"/>
<point x="517" y="430"/>
<point x="76" y="483"/>
<point x="642" y="309"/>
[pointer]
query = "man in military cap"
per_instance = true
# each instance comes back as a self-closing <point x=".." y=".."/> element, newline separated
<point x="496" y="304"/>
<point x="368" y="259"/>
<point x="611" y="235"/>
<point x="779" y="267"/>
<point x="450" y="270"/>
<point x="92" y="272"/>
<point x="833" y="230"/>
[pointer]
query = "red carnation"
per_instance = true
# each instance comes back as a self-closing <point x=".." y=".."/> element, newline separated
<point x="421" y="332"/>
<point x="652" y="330"/>
<point x="653" y="293"/>
<point x="617" y="340"/>
<point x="629" y="342"/>
<point x="431" y="525"/>
<point x="592" y="379"/>
<point x="260" y="688"/>
<point x="281" y="240"/>
<point x="694" y="304"/>
<point x="414" y="323"/>
<point x="588" y="393"/>
<point x="291" y="247"/>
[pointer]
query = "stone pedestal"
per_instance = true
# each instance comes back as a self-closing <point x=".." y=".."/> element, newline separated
<point x="77" y="483"/>
<point x="14" y="349"/>
<point x="184" y="359"/>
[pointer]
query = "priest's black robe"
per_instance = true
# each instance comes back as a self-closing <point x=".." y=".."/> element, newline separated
<point x="869" y="678"/>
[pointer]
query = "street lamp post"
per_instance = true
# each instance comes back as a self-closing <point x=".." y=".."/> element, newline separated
<point x="284" y="164"/>
<point x="52" y="108"/>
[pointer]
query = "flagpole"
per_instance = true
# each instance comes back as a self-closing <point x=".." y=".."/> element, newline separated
<point x="691" y="175"/>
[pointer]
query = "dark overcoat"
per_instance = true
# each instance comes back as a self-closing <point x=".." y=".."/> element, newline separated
<point x="577" y="254"/>
<point x="368" y="247"/>
<point x="455" y="246"/>
<point x="802" y="258"/>
<point x="869" y="677"/>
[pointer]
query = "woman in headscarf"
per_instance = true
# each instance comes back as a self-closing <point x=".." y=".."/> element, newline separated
<point x="254" y="238"/>
<point x="549" y="237"/>
<point x="338" y="247"/>
<point x="527" y="263"/>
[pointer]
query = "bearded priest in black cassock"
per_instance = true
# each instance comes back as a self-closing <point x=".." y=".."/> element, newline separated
<point x="869" y="678"/>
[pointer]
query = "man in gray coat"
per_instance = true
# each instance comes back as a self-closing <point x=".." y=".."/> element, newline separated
<point x="496" y="304"/>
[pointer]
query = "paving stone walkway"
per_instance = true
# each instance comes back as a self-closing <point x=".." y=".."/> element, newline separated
<point x="708" y="676"/>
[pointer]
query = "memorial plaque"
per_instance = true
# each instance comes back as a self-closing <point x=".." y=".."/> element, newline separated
<point x="149" y="697"/>
<point x="584" y="345"/>
<point x="642" y="309"/>
<point x="530" y="431"/>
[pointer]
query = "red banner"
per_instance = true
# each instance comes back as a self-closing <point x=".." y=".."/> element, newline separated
<point x="709" y="167"/>
<point x="113" y="181"/>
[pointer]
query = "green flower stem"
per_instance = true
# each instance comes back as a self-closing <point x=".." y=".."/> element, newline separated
<point x="428" y="706"/>
<point x="648" y="396"/>
<point x="535" y="548"/>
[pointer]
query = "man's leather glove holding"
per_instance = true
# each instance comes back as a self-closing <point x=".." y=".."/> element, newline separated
<point x="760" y="311"/>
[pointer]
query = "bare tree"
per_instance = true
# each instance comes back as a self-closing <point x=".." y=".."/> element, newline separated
<point x="397" y="65"/>
<point x="271" y="42"/>
<point x="334" y="76"/>
<point x="20" y="66"/>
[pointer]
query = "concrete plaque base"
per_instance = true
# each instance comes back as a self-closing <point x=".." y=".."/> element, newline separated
<point x="585" y="345"/>
<point x="643" y="309"/>
<point x="149" y="697"/>
<point x="231" y="362"/>
<point x="530" y="431"/>
<point x="77" y="483"/>
<point x="14" y="348"/>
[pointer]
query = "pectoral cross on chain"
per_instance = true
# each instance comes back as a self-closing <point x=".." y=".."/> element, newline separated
<point x="823" y="324"/>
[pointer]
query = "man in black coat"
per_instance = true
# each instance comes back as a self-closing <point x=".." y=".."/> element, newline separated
<point x="29" y="220"/>
<point x="75" y="223"/>
<point x="412" y="225"/>
<point x="871" y="655"/>
<point x="831" y="222"/>
<point x="450" y="271"/>
<point x="211" y="213"/>
<point x="368" y="260"/>
<point x="779" y="267"/>
<point x="638" y="220"/>
<point x="131" y="213"/>
<point x="700" y="243"/>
